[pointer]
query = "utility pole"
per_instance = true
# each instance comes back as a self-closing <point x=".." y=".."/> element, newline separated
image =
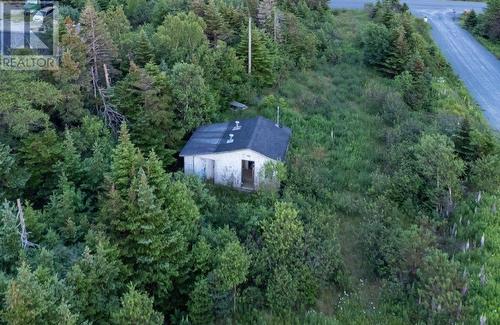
<point x="249" y="45"/>
<point x="278" y="116"/>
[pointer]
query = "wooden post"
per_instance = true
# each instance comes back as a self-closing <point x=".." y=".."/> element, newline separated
<point x="249" y="45"/>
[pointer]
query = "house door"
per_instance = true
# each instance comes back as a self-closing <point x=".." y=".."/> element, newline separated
<point x="247" y="174"/>
<point x="208" y="169"/>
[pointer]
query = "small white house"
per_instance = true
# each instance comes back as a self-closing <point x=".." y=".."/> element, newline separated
<point x="235" y="153"/>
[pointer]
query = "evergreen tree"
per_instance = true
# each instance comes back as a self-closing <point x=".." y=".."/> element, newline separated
<point x="399" y="52"/>
<point x="126" y="161"/>
<point x="136" y="309"/>
<point x="463" y="142"/>
<point x="262" y="57"/>
<point x="283" y="237"/>
<point x="12" y="176"/>
<point x="143" y="52"/>
<point x="144" y="96"/>
<point x="225" y="72"/>
<point x="39" y="154"/>
<point x="216" y="28"/>
<point x="117" y="24"/>
<point x="183" y="210"/>
<point x="492" y="20"/>
<point x="471" y="20"/>
<point x="65" y="211"/>
<point x="486" y="173"/>
<point x="200" y="304"/>
<point x="376" y="40"/>
<point x="25" y="103"/>
<point x="282" y="291"/>
<point x="96" y="282"/>
<point x="70" y="165"/>
<point x="10" y="241"/>
<point x="141" y="227"/>
<point x="31" y="300"/>
<point x="415" y="84"/>
<point x="138" y="11"/>
<point x="68" y="77"/>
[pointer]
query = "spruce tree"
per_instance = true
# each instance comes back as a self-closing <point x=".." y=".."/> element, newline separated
<point x="10" y="241"/>
<point x="216" y="28"/>
<point x="70" y="165"/>
<point x="200" y="304"/>
<point x="463" y="142"/>
<point x="35" y="298"/>
<point x="144" y="96"/>
<point x="126" y="161"/>
<point x="96" y="281"/>
<point x="147" y="241"/>
<point x="142" y="51"/>
<point x="262" y="57"/>
<point x="66" y="209"/>
<point x="136" y="309"/>
<point x="68" y="78"/>
<point x="39" y="153"/>
<point x="471" y="20"/>
<point x="12" y="176"/>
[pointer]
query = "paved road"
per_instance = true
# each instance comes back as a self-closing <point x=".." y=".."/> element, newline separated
<point x="477" y="67"/>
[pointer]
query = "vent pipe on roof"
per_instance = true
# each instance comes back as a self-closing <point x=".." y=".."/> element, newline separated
<point x="231" y="138"/>
<point x="237" y="126"/>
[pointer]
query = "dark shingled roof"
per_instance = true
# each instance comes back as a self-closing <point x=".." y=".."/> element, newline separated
<point x="258" y="134"/>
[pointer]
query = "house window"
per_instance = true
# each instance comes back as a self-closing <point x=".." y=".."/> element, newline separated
<point x="247" y="174"/>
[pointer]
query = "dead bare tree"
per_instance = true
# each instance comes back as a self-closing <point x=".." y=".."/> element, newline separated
<point x="22" y="227"/>
<point x="112" y="117"/>
<point x="264" y="11"/>
<point x="270" y="18"/>
<point x="100" y="52"/>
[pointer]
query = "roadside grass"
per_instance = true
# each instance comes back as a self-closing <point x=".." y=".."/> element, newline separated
<point x="493" y="47"/>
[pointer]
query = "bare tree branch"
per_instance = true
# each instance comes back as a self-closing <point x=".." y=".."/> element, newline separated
<point x="23" y="232"/>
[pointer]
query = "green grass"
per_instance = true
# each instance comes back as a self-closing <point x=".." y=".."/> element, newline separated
<point x="493" y="47"/>
<point x="337" y="142"/>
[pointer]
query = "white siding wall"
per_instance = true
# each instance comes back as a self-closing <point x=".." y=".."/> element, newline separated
<point x="189" y="165"/>
<point x="227" y="166"/>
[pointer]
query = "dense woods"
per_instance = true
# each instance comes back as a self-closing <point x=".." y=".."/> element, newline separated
<point x="388" y="211"/>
